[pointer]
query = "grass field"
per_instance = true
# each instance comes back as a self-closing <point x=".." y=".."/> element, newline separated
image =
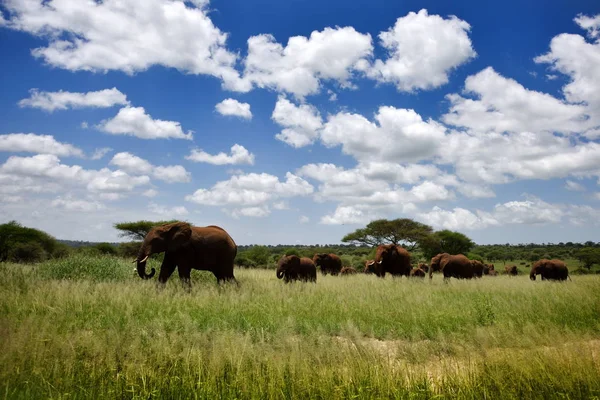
<point x="88" y="328"/>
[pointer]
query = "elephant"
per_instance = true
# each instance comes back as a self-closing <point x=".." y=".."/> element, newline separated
<point x="424" y="267"/>
<point x="348" y="271"/>
<point x="329" y="263"/>
<point x="457" y="266"/>
<point x="208" y="248"/>
<point x="294" y="268"/>
<point x="550" y="270"/>
<point x="478" y="268"/>
<point x="511" y="270"/>
<point x="492" y="272"/>
<point x="417" y="273"/>
<point x="393" y="259"/>
<point x="369" y="267"/>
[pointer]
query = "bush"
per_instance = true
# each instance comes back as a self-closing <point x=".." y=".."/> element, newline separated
<point x="128" y="249"/>
<point x="27" y="253"/>
<point x="13" y="235"/>
<point x="106" y="248"/>
<point x="244" y="262"/>
<point x="81" y="266"/>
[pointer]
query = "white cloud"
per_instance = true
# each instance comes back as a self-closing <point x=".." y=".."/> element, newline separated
<point x="590" y="24"/>
<point x="135" y="122"/>
<point x="531" y="211"/>
<point x="61" y="100"/>
<point x="422" y="50"/>
<point x="131" y="164"/>
<point x="177" y="211"/>
<point x="32" y="143"/>
<point x="251" y="190"/>
<point x="400" y="135"/>
<point x="138" y="166"/>
<point x="574" y="186"/>
<point x="457" y="219"/>
<point x="234" y="108"/>
<point x="347" y="215"/>
<point x="172" y="174"/>
<point x="571" y="55"/>
<point x="253" y="212"/>
<point x="503" y="104"/>
<point x="99" y="153"/>
<point x="281" y="205"/>
<point x="304" y="219"/>
<point x="239" y="155"/>
<point x="301" y="123"/>
<point x="115" y="181"/>
<point x="70" y="204"/>
<point x="150" y="193"/>
<point x="127" y="35"/>
<point x="298" y="68"/>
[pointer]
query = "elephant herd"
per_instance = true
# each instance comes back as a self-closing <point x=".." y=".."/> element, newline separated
<point x="211" y="249"/>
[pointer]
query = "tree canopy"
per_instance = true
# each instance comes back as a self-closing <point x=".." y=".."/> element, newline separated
<point x="20" y="243"/>
<point x="139" y="229"/>
<point x="403" y="231"/>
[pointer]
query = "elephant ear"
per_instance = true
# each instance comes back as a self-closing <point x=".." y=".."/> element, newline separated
<point x="180" y="234"/>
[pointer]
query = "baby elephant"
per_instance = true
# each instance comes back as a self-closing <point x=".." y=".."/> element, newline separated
<point x="294" y="268"/>
<point x="417" y="273"/>
<point x="348" y="271"/>
<point x="511" y="270"/>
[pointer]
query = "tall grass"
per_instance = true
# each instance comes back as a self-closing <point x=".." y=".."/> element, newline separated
<point x="101" y="332"/>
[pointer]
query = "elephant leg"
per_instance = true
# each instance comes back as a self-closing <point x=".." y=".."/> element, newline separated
<point x="166" y="269"/>
<point x="184" y="275"/>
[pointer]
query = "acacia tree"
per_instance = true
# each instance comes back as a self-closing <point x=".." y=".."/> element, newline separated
<point x="403" y="231"/>
<point x="139" y="229"/>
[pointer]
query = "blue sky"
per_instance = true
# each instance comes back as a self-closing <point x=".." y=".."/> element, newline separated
<point x="300" y="121"/>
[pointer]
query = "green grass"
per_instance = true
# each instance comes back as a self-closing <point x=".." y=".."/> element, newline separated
<point x="90" y="328"/>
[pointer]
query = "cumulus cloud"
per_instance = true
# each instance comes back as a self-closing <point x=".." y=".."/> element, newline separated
<point x="127" y="35"/>
<point x="233" y="107"/>
<point x="300" y="67"/>
<point x="253" y="212"/>
<point x="422" y="50"/>
<point x="32" y="143"/>
<point x="135" y="122"/>
<point x="176" y="211"/>
<point x="399" y="135"/>
<point x="347" y="215"/>
<point x="502" y="104"/>
<point x="71" y="204"/>
<point x="238" y="155"/>
<point x="251" y="190"/>
<point x="301" y="123"/>
<point x="572" y="55"/>
<point x="138" y="166"/>
<point x="99" y="153"/>
<point x="50" y="101"/>
<point x="574" y="186"/>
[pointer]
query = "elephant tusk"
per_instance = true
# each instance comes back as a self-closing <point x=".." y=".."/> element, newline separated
<point x="143" y="259"/>
<point x="380" y="262"/>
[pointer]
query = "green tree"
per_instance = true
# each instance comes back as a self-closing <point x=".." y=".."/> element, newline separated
<point x="588" y="256"/>
<point x="139" y="229"/>
<point x="402" y="231"/>
<point x="106" y="248"/>
<point x="13" y="234"/>
<point x="259" y="255"/>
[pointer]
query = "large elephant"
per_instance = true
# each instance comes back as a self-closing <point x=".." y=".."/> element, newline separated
<point x="329" y="263"/>
<point x="452" y="266"/>
<point x="478" y="268"/>
<point x="549" y="270"/>
<point x="294" y="268"/>
<point x="207" y="248"/>
<point x="393" y="259"/>
<point x="369" y="267"/>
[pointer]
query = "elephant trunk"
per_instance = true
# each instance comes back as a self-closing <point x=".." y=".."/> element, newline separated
<point x="532" y="274"/>
<point x="143" y="255"/>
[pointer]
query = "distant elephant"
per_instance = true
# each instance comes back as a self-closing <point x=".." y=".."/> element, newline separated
<point x="417" y="273"/>
<point x="294" y="268"/>
<point x="424" y="267"/>
<point x="369" y="267"/>
<point x="492" y="272"/>
<point x="393" y="259"/>
<point x="329" y="263"/>
<point x="550" y="270"/>
<point x="207" y="248"/>
<point x="511" y="270"/>
<point x="478" y="268"/>
<point x="348" y="271"/>
<point x="457" y="266"/>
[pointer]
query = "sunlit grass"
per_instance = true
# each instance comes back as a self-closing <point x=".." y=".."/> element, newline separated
<point x="102" y="332"/>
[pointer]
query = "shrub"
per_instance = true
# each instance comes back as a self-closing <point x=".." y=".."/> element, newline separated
<point x="27" y="253"/>
<point x="106" y="248"/>
<point x="128" y="250"/>
<point x="81" y="266"/>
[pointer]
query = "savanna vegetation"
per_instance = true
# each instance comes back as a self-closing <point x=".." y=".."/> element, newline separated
<point x="84" y="325"/>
